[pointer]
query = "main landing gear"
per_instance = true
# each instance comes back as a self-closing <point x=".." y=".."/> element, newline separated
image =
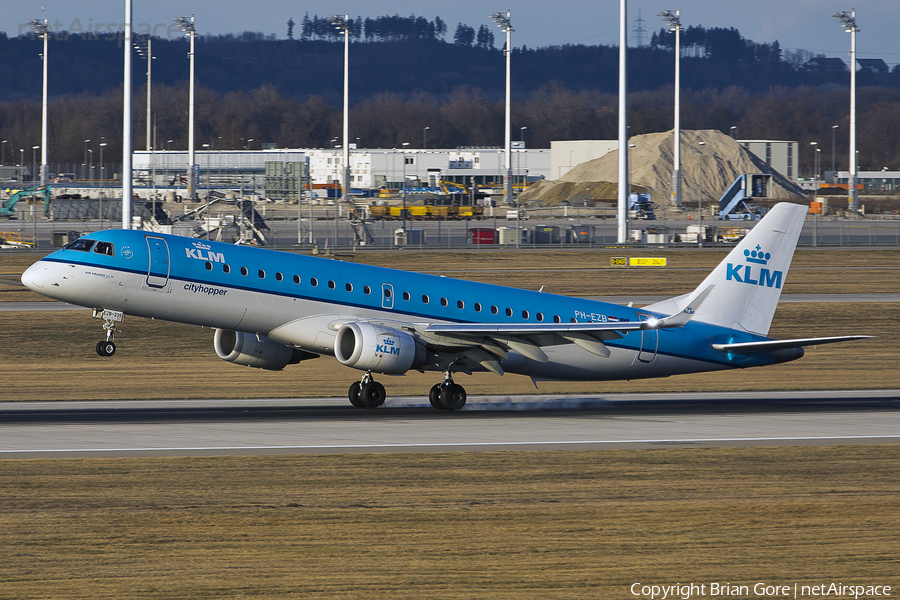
<point x="447" y="395"/>
<point x="368" y="393"/>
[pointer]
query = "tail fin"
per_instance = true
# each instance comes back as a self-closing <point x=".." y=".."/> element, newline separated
<point x="748" y="283"/>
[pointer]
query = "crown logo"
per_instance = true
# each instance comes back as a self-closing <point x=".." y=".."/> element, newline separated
<point x="201" y="246"/>
<point x="757" y="256"/>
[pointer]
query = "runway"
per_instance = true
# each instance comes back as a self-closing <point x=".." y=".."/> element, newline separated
<point x="488" y="423"/>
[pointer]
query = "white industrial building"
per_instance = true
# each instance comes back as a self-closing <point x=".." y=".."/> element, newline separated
<point x="369" y="168"/>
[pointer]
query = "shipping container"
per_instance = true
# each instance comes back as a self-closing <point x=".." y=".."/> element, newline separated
<point x="482" y="235"/>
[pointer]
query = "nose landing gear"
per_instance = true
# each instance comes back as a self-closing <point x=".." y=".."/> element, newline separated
<point x="110" y="318"/>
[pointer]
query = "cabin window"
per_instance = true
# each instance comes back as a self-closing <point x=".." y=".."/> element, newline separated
<point x="556" y="319"/>
<point x="367" y="290"/>
<point x="244" y="271"/>
<point x="444" y="302"/>
<point x="387" y="292"/>
<point x="573" y="320"/>
<point x="279" y="277"/>
<point x="406" y="296"/>
<point x="226" y="269"/>
<point x="494" y="310"/>
<point x="261" y="273"/>
<point x="348" y="287"/>
<point x="208" y="266"/>
<point x="508" y="312"/>
<point x="104" y="248"/>
<point x="425" y="299"/>
<point x="81" y="244"/>
<point x="540" y="317"/>
<point x="314" y="282"/>
<point x="296" y="279"/>
<point x="460" y="304"/>
<point x="331" y="284"/>
<point x="477" y="307"/>
<point x="525" y="314"/>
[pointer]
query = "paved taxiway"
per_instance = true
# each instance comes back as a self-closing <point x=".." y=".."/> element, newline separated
<point x="330" y="425"/>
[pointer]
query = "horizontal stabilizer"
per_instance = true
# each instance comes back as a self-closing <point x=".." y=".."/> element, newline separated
<point x="772" y="345"/>
<point x="681" y="319"/>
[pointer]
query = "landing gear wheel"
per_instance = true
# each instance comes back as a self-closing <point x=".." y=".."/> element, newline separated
<point x="353" y="395"/>
<point x="372" y="394"/>
<point x="434" y="396"/>
<point x="453" y="397"/>
<point x="106" y="348"/>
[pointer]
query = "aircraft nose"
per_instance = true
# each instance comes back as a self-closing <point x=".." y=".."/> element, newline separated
<point x="36" y="277"/>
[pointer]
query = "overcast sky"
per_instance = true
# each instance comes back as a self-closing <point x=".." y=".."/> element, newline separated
<point x="796" y="24"/>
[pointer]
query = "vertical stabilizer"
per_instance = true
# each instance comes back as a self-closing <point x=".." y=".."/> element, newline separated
<point x="748" y="283"/>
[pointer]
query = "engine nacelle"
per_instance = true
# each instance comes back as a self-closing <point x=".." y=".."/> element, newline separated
<point x="371" y="347"/>
<point x="256" y="351"/>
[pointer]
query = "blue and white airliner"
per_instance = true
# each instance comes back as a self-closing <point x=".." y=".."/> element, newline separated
<point x="272" y="309"/>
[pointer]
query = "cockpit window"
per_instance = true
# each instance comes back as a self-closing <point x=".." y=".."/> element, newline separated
<point x="81" y="244"/>
<point x="104" y="248"/>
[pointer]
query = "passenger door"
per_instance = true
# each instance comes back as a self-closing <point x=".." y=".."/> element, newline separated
<point x="158" y="269"/>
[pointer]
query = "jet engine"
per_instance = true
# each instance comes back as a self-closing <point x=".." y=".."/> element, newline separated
<point x="256" y="351"/>
<point x="370" y="347"/>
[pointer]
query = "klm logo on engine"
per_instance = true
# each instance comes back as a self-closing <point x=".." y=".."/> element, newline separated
<point x="202" y="251"/>
<point x="754" y="272"/>
<point x="387" y="347"/>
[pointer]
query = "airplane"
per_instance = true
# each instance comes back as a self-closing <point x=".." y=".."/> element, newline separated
<point x="271" y="309"/>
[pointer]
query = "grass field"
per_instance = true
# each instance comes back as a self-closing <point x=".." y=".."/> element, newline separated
<point x="166" y="360"/>
<point x="507" y="525"/>
<point x="50" y="356"/>
<point x="587" y="273"/>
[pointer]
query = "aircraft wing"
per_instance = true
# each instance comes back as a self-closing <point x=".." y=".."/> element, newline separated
<point x="679" y="319"/>
<point x="488" y="343"/>
<point x="771" y="345"/>
<point x="485" y="343"/>
<point x="534" y="328"/>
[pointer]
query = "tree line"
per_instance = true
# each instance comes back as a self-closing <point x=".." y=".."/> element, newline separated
<point x="405" y="55"/>
<point x="465" y="117"/>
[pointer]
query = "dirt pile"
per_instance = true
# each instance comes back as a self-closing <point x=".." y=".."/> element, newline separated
<point x="706" y="170"/>
<point x="554" y="192"/>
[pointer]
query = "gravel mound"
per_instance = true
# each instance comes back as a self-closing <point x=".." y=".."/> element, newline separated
<point x="705" y="169"/>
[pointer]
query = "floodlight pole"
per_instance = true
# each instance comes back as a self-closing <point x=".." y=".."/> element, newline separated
<point x="833" y="132"/>
<point x="848" y="21"/>
<point x="404" y="145"/>
<point x="40" y="27"/>
<point x="145" y="49"/>
<point x="674" y="21"/>
<point x="187" y="25"/>
<point x="342" y="23"/>
<point x="127" y="143"/>
<point x="622" y="236"/>
<point x="505" y="24"/>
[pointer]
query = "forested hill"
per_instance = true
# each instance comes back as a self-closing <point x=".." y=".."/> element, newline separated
<point x="407" y="56"/>
<point x="413" y="81"/>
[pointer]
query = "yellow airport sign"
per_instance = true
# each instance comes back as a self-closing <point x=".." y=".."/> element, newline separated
<point x="644" y="261"/>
